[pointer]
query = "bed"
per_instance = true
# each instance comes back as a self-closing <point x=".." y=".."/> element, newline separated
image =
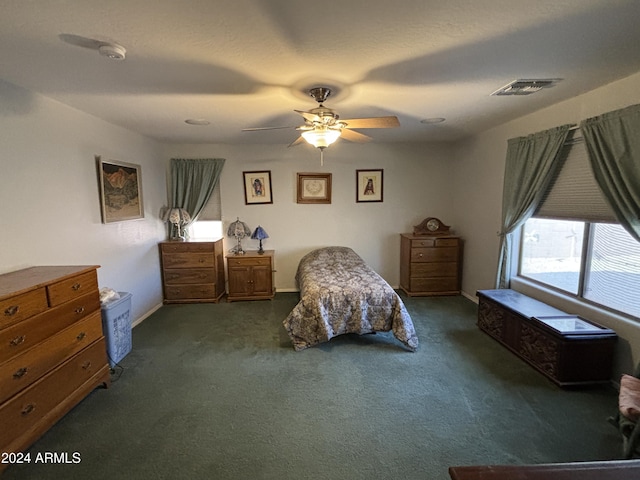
<point x="339" y="294"/>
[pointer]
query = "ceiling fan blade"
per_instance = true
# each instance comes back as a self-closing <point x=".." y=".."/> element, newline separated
<point x="297" y="141"/>
<point x="257" y="129"/>
<point x="373" y="122"/>
<point x="354" y="136"/>
<point x="311" y="117"/>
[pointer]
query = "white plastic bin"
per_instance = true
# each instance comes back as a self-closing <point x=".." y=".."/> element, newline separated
<point x="116" y="326"/>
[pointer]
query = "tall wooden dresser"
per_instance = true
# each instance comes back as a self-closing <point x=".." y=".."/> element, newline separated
<point x="192" y="271"/>
<point x="52" y="349"/>
<point x="430" y="265"/>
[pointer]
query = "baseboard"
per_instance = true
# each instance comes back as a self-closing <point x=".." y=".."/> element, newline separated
<point x="141" y="319"/>
<point x="473" y="298"/>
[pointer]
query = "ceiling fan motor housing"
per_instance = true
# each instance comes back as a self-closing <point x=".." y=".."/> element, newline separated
<point x="320" y="94"/>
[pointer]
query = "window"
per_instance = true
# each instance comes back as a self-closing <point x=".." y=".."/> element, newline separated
<point x="552" y="251"/>
<point x="613" y="269"/>
<point x="573" y="243"/>
<point x="595" y="261"/>
<point x="206" y="229"/>
<point x="209" y="224"/>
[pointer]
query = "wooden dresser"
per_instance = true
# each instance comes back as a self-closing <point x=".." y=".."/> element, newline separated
<point x="192" y="271"/>
<point x="250" y="276"/>
<point x="52" y="350"/>
<point x="430" y="265"/>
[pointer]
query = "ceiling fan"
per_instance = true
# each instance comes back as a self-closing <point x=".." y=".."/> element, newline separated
<point x="323" y="126"/>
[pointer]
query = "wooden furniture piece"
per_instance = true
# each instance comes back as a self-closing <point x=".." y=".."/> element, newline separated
<point x="250" y="276"/>
<point x="569" y="350"/>
<point x="192" y="271"/>
<point x="52" y="350"/>
<point x="430" y="265"/>
<point x="607" y="470"/>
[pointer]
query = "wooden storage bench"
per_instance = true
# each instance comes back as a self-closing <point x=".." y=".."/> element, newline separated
<point x="566" y="348"/>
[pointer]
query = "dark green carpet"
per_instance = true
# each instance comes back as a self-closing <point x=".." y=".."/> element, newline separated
<point x="217" y="392"/>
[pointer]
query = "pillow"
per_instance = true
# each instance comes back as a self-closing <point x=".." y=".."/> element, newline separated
<point x="629" y="399"/>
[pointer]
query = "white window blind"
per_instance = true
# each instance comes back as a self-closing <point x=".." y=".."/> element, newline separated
<point x="574" y="193"/>
<point x="213" y="209"/>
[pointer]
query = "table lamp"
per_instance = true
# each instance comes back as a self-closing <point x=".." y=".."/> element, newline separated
<point x="259" y="234"/>
<point x="178" y="217"/>
<point x="239" y="230"/>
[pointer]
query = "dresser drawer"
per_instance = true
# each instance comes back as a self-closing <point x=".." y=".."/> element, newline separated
<point x="249" y="261"/>
<point x="21" y="414"/>
<point x="185" y="292"/>
<point x="24" y="369"/>
<point x="188" y="260"/>
<point x="22" y="306"/>
<point x="24" y="335"/>
<point x="436" y="254"/>
<point x="434" y="269"/>
<point x="422" y="242"/>
<point x="187" y="247"/>
<point x="71" y="288"/>
<point x="447" y="242"/>
<point x="434" y="284"/>
<point x="180" y="276"/>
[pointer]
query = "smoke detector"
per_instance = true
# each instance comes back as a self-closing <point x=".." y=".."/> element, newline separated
<point x="526" y="87"/>
<point x="112" y="51"/>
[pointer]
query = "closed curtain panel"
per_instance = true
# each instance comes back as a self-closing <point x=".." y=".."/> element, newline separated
<point x="613" y="144"/>
<point x="531" y="164"/>
<point x="193" y="181"/>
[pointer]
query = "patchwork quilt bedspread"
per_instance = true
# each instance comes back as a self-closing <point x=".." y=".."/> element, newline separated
<point x="339" y="294"/>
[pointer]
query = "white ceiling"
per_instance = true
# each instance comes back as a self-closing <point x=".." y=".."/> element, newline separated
<point x="246" y="63"/>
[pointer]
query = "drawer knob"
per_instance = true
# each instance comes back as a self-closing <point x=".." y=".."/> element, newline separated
<point x="17" y="341"/>
<point x="79" y="310"/>
<point x="421" y="255"/>
<point x="81" y="336"/>
<point x="12" y="310"/>
<point x="86" y="365"/>
<point x="75" y="287"/>
<point x="28" y="409"/>
<point x="20" y="373"/>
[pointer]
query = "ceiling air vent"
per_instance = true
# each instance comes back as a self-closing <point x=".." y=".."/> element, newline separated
<point x="525" y="87"/>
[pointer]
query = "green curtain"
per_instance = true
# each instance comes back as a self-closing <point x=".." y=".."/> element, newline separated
<point x="531" y="164"/>
<point x="613" y="144"/>
<point x="192" y="182"/>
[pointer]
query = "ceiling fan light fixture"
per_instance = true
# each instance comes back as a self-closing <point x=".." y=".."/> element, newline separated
<point x="321" y="137"/>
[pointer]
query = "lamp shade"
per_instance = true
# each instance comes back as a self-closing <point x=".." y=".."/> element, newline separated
<point x="259" y="233"/>
<point x="177" y="216"/>
<point x="238" y="229"/>
<point x="321" y="137"/>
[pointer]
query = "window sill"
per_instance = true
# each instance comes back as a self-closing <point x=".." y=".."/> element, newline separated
<point x="571" y="304"/>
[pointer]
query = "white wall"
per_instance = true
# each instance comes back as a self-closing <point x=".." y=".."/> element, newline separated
<point x="417" y="184"/>
<point x="50" y="208"/>
<point x="478" y="177"/>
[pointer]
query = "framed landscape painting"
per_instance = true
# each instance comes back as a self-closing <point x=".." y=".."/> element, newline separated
<point x="120" y="190"/>
<point x="369" y="185"/>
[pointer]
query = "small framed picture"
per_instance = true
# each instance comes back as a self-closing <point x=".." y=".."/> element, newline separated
<point x="120" y="186"/>
<point x="257" y="187"/>
<point x="369" y="185"/>
<point x="314" y="188"/>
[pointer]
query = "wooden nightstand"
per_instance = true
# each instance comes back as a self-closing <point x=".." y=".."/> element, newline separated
<point x="192" y="272"/>
<point x="250" y="276"/>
